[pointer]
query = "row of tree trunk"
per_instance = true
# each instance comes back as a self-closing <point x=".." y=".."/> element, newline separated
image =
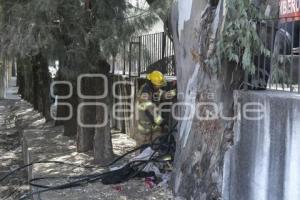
<point x="34" y="83"/>
<point x="34" y="86"/>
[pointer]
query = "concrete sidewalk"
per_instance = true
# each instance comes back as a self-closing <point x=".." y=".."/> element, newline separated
<point x="41" y="140"/>
<point x="12" y="90"/>
<point x="10" y="153"/>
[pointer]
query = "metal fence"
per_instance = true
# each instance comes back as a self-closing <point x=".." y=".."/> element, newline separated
<point x="279" y="68"/>
<point x="143" y="54"/>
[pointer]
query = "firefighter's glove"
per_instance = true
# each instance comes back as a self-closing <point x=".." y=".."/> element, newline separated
<point x="158" y="120"/>
<point x="171" y="94"/>
<point x="156" y="128"/>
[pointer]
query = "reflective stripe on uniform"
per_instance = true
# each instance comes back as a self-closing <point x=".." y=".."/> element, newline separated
<point x="158" y="120"/>
<point x="173" y="92"/>
<point x="156" y="128"/>
<point x="145" y="123"/>
<point x="143" y="130"/>
<point x="144" y="105"/>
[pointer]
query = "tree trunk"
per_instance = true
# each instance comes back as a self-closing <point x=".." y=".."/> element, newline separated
<point x="60" y="90"/>
<point x="85" y="136"/>
<point x="20" y="77"/>
<point x="9" y="68"/>
<point x="70" y="126"/>
<point x="103" y="150"/>
<point x="201" y="143"/>
<point x="41" y="85"/>
<point x="36" y="97"/>
<point x="29" y="77"/>
<point x="3" y="81"/>
<point x="23" y="65"/>
<point x="14" y="68"/>
<point x="44" y="85"/>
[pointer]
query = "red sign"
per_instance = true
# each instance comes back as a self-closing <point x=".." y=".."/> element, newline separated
<point x="289" y="10"/>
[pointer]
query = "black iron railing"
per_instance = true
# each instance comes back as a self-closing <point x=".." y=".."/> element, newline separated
<point x="278" y="69"/>
<point x="144" y="54"/>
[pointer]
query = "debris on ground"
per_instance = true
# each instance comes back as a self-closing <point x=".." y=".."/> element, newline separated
<point x="46" y="141"/>
<point x="11" y="154"/>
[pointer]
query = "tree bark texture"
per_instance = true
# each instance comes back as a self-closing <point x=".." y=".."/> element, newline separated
<point x="103" y="150"/>
<point x="85" y="136"/>
<point x="34" y="83"/>
<point x="29" y="79"/>
<point x="41" y="85"/>
<point x="201" y="143"/>
<point x="60" y="90"/>
<point x="70" y="126"/>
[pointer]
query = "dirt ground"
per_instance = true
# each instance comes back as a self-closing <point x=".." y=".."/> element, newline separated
<point x="10" y="154"/>
<point x="11" y="157"/>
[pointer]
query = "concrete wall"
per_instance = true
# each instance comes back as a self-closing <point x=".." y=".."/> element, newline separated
<point x="264" y="163"/>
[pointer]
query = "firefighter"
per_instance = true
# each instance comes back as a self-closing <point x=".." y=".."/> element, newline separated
<point x="150" y="121"/>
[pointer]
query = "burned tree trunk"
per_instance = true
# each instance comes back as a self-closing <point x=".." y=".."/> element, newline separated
<point x="206" y="132"/>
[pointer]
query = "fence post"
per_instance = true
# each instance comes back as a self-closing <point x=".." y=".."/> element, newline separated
<point x="124" y="61"/>
<point x="139" y="61"/>
<point x="114" y="65"/>
<point x="129" y="59"/>
<point x="163" y="56"/>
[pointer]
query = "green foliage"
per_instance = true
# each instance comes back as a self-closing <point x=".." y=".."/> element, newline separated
<point x="280" y="73"/>
<point x="240" y="41"/>
<point x="66" y="30"/>
<point x="162" y="8"/>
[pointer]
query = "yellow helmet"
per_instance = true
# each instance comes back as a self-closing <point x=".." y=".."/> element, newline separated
<point x="157" y="78"/>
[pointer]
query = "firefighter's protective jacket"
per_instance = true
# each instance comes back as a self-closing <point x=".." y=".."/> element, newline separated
<point x="149" y="119"/>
